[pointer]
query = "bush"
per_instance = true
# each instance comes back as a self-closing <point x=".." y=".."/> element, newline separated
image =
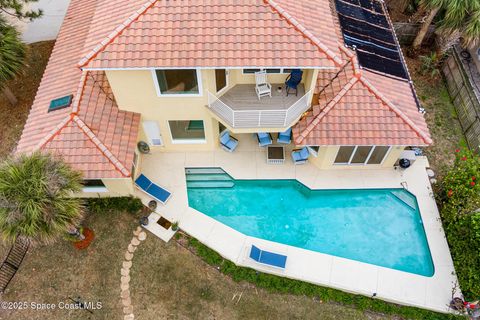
<point x="108" y="205"/>
<point x="278" y="284"/>
<point x="460" y="202"/>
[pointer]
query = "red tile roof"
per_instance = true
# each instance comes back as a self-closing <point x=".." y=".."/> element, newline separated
<point x="352" y="111"/>
<point x="355" y="106"/>
<point x="230" y="33"/>
<point x="92" y="135"/>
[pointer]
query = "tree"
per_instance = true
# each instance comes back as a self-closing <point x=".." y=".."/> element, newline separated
<point x="461" y="20"/>
<point x="16" y="8"/>
<point x="12" y="58"/>
<point x="36" y="200"/>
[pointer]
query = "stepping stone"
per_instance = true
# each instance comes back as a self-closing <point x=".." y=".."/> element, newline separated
<point x="137" y="231"/>
<point x="127" y="302"/>
<point x="125" y="294"/>
<point x="128" y="310"/>
<point x="131" y="248"/>
<point x="125" y="279"/>
<point x="142" y="236"/>
<point x="129" y="317"/>
<point x="124" y="272"/>
<point x="135" y="241"/>
<point x="127" y="264"/>
<point x="124" y="286"/>
<point x="128" y="256"/>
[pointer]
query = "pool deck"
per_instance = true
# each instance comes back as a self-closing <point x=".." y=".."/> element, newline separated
<point x="249" y="162"/>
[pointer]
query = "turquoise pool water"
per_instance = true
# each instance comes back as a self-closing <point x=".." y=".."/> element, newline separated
<point x="377" y="226"/>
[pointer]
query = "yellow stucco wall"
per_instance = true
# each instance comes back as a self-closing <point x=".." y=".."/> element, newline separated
<point x="327" y="154"/>
<point x="116" y="188"/>
<point x="135" y="90"/>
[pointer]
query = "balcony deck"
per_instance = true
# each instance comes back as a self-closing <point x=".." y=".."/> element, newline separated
<point x="243" y="97"/>
<point x="239" y="107"/>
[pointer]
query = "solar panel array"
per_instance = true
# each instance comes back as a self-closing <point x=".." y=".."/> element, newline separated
<point x="365" y="27"/>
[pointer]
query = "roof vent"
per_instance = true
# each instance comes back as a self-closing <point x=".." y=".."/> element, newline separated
<point x="60" y="103"/>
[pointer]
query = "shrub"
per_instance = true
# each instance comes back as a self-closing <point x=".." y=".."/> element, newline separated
<point x="108" y="205"/>
<point x="459" y="198"/>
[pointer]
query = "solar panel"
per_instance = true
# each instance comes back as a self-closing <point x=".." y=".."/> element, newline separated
<point x="366" y="28"/>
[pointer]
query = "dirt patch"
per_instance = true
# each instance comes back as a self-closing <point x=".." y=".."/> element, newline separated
<point x="441" y="118"/>
<point x="24" y="88"/>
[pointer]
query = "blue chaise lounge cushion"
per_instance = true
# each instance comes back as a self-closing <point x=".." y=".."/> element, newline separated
<point x="152" y="189"/>
<point x="270" y="258"/>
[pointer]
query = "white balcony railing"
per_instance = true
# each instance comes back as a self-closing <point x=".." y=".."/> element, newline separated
<point x="259" y="118"/>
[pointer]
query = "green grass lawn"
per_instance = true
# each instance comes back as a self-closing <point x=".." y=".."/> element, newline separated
<point x="168" y="282"/>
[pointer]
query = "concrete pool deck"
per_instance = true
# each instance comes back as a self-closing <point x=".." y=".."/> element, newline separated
<point x="249" y="162"/>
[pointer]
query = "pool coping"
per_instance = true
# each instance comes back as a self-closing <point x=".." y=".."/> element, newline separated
<point x="433" y="293"/>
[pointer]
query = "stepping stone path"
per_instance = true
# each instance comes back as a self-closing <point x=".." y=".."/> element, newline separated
<point x="138" y="236"/>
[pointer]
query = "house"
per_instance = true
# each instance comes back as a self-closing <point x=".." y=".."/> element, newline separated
<point x="171" y="77"/>
<point x="175" y="74"/>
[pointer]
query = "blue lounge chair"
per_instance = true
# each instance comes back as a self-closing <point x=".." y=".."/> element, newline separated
<point x="268" y="258"/>
<point x="228" y="142"/>
<point x="264" y="139"/>
<point x="285" y="137"/>
<point x="300" y="156"/>
<point x="293" y="80"/>
<point x="153" y="190"/>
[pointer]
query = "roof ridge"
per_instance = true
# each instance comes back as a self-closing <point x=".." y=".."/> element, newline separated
<point x="115" y="33"/>
<point x="102" y="147"/>
<point x="299" y="27"/>
<point x="394" y="108"/>
<point x="327" y="109"/>
<point x="54" y="132"/>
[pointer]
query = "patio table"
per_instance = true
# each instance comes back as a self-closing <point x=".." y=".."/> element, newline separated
<point x="275" y="155"/>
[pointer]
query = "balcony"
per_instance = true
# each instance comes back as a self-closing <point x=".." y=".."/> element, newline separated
<point x="240" y="108"/>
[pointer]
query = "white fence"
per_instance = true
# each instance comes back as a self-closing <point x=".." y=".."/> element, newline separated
<point x="259" y="118"/>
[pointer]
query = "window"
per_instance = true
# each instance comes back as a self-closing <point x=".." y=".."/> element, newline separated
<point x="221" y="79"/>
<point x="378" y="155"/>
<point x="269" y="70"/>
<point x="152" y="131"/>
<point x="94" y="185"/>
<point x="344" y="154"/>
<point x="361" y="154"/>
<point x="187" y="131"/>
<point x="178" y="82"/>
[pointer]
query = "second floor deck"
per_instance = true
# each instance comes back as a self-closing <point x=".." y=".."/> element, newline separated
<point x="240" y="107"/>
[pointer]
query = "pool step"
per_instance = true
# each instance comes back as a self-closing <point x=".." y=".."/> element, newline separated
<point x="204" y="171"/>
<point x="405" y="197"/>
<point x="208" y="178"/>
<point x="210" y="184"/>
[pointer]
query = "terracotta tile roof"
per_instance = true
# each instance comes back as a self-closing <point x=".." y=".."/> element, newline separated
<point x="84" y="133"/>
<point x="351" y="110"/>
<point x="230" y="33"/>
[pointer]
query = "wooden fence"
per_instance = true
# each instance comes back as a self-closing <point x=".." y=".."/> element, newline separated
<point x="464" y="97"/>
<point x="406" y="33"/>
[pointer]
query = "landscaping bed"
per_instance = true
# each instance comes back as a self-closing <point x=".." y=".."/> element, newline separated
<point x="24" y="88"/>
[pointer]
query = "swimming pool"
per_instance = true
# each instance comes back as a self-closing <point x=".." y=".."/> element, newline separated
<point x="377" y="226"/>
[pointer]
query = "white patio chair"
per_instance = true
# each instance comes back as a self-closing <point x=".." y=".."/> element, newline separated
<point x="262" y="87"/>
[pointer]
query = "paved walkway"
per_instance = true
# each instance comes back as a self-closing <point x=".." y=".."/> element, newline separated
<point x="138" y="236"/>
